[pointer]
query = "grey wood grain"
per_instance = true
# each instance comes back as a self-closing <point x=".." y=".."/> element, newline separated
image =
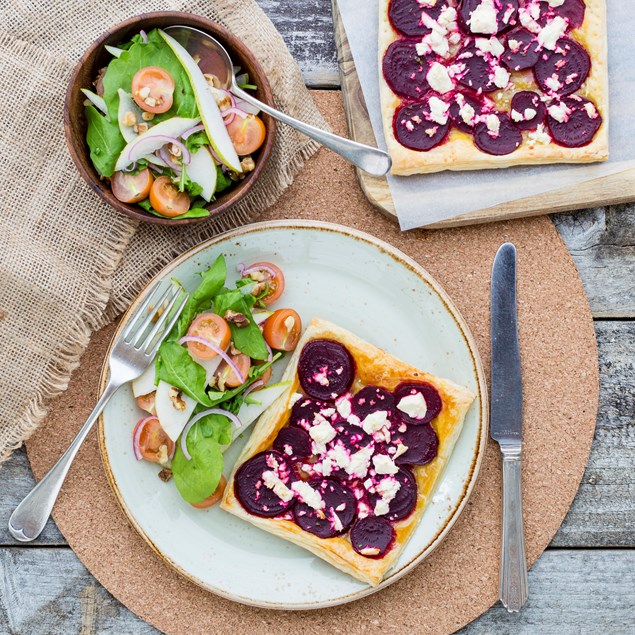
<point x="45" y="591"/>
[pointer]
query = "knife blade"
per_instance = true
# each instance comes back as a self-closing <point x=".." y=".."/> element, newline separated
<point x="506" y="425"/>
<point x="506" y="418"/>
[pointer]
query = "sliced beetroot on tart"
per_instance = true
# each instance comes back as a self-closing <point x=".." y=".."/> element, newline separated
<point x="506" y="15"/>
<point x="372" y="399"/>
<point x="422" y="443"/>
<point x="405" y="71"/>
<point x="405" y="496"/>
<point x="414" y="128"/>
<point x="459" y="113"/>
<point x="505" y="141"/>
<point x="294" y="443"/>
<point x="337" y="513"/>
<point x="326" y="369"/>
<point x="431" y="399"/>
<point x="252" y="492"/>
<point x="304" y="410"/>
<point x="533" y="110"/>
<point x="521" y="50"/>
<point x="372" y="537"/>
<point x="477" y="72"/>
<point x="580" y="121"/>
<point x="564" y="70"/>
<point x="571" y="10"/>
<point x="405" y="16"/>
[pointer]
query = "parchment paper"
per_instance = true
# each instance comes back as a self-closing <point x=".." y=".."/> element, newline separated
<point x="428" y="198"/>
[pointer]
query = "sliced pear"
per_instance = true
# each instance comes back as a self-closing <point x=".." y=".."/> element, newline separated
<point x="97" y="101"/>
<point x="261" y="316"/>
<point x="145" y="383"/>
<point x="210" y="366"/>
<point x="207" y="107"/>
<point x="113" y="50"/>
<point x="202" y="171"/>
<point x="127" y="104"/>
<point x="150" y="141"/>
<point x="174" y="409"/>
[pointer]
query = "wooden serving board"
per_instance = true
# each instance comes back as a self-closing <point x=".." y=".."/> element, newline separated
<point x="608" y="190"/>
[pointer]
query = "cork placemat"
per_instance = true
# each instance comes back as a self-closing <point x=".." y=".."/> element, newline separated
<point x="459" y="581"/>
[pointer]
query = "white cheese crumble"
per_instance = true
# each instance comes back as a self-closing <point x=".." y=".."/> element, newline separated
<point x="539" y="135"/>
<point x="591" y="110"/>
<point x="439" y="79"/>
<point x="295" y="397"/>
<point x="554" y="3"/>
<point x="343" y="405"/>
<point x="560" y="112"/>
<point x="491" y="46"/>
<point x="553" y="83"/>
<point x="384" y="464"/>
<point x="467" y="113"/>
<point x="387" y="488"/>
<point x="359" y="462"/>
<point x="275" y="483"/>
<point x="413" y="405"/>
<point x="530" y="113"/>
<point x="401" y="449"/>
<point x="501" y="77"/>
<point x="516" y="116"/>
<point x="438" y="110"/>
<point x="375" y="421"/>
<point x="483" y="18"/>
<point x="308" y="495"/>
<point x="323" y="432"/>
<point x="554" y="30"/>
<point x="493" y="124"/>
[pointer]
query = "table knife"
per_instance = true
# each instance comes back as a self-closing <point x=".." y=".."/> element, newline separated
<point x="506" y="425"/>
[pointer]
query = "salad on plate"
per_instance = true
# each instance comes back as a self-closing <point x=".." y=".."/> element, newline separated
<point x="163" y="133"/>
<point x="211" y="378"/>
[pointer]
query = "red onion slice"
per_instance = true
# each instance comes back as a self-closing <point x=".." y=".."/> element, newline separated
<point x="211" y="411"/>
<point x="141" y="139"/>
<point x="270" y="356"/>
<point x="245" y="271"/>
<point x="257" y="384"/>
<point x="165" y="156"/>
<point x="144" y="36"/>
<point x="218" y="350"/>
<point x="136" y="436"/>
<point x="235" y="111"/>
<point x="188" y="133"/>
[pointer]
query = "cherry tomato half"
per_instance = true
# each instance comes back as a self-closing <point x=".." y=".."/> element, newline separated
<point x="154" y="443"/>
<point x="131" y="188"/>
<point x="211" y="327"/>
<point x="283" y="329"/>
<point x="243" y="363"/>
<point x="247" y="134"/>
<point x="276" y="284"/>
<point x="146" y="402"/>
<point x="215" y="497"/>
<point x="153" y="89"/>
<point x="166" y="199"/>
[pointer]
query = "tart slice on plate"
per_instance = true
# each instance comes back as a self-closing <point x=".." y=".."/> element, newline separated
<point x="345" y="462"/>
<point x="477" y="84"/>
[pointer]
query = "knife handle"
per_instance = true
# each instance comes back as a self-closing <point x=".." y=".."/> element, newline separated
<point x="513" y="574"/>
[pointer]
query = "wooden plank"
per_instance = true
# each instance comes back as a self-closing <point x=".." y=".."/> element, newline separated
<point x="617" y="188"/>
<point x="45" y="591"/>
<point x="307" y="28"/>
<point x="602" y="243"/>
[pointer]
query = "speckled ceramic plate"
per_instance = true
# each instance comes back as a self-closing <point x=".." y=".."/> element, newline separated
<point x="383" y="296"/>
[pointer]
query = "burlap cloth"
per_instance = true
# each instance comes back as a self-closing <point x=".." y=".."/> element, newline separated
<point x="68" y="262"/>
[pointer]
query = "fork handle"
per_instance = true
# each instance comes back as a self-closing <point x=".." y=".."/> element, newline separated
<point x="513" y="573"/>
<point x="30" y="516"/>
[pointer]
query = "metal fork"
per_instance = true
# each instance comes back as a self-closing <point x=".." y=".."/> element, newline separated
<point x="130" y="356"/>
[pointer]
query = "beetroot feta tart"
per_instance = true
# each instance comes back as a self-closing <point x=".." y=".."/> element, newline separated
<point x="478" y="84"/>
<point x="346" y="460"/>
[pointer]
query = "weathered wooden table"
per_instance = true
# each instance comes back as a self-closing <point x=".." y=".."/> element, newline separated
<point x="585" y="581"/>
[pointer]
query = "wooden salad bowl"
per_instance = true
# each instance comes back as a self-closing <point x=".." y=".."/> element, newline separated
<point x="96" y="57"/>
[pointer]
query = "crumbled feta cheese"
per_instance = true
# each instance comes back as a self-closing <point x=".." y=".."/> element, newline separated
<point x="555" y="3"/>
<point x="493" y="124"/>
<point x="387" y="488"/>
<point x="551" y="33"/>
<point x="295" y="397"/>
<point x="375" y="421"/>
<point x="413" y="405"/>
<point x="336" y="522"/>
<point x="308" y="495"/>
<point x="560" y="112"/>
<point x="516" y="116"/>
<point x="439" y="79"/>
<point x="527" y="19"/>
<point x="438" y="110"/>
<point x="340" y="456"/>
<point x="483" y="18"/>
<point x="467" y="113"/>
<point x="514" y="45"/>
<point x="501" y="77"/>
<point x="321" y="377"/>
<point x="401" y="449"/>
<point x="447" y="18"/>
<point x="384" y="464"/>
<point x="323" y="432"/>
<point x="343" y="405"/>
<point x="491" y="45"/>
<point x="539" y="135"/>
<point x="530" y="113"/>
<point x="360" y="461"/>
<point x="423" y="48"/>
<point x="591" y="110"/>
<point x="553" y="83"/>
<point x="275" y="483"/>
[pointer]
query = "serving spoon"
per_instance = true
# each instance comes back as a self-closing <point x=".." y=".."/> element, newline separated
<point x="367" y="158"/>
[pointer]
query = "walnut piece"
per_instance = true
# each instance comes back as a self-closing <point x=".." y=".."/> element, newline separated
<point x="239" y="319"/>
<point x="175" y="397"/>
<point x="165" y="474"/>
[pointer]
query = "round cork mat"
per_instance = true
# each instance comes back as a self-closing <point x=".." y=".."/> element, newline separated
<point x="459" y="581"/>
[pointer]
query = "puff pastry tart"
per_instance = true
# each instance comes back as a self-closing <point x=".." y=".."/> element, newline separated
<point x="346" y="460"/>
<point x="476" y="84"/>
